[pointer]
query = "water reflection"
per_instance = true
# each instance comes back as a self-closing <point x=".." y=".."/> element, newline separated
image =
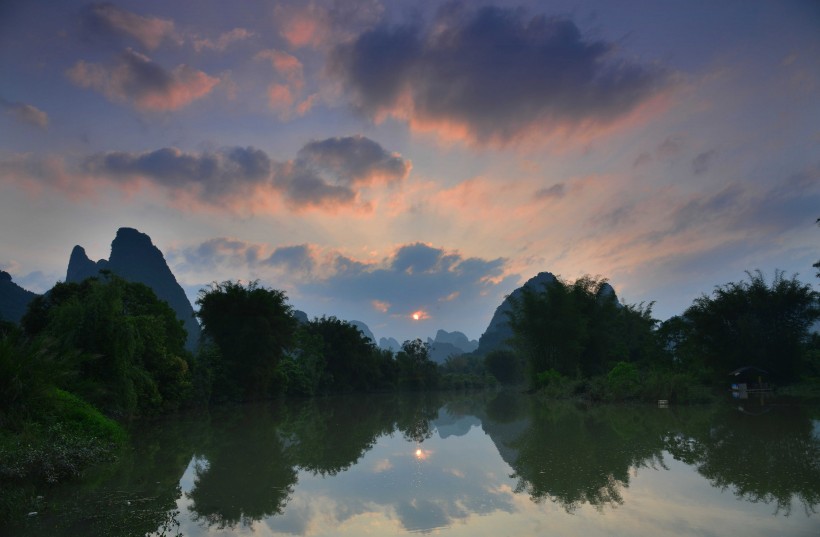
<point x="474" y="464"/>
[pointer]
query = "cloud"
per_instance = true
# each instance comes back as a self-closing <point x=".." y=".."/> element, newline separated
<point x="702" y="162"/>
<point x="311" y="24"/>
<point x="223" y="41"/>
<point x="491" y="75"/>
<point x="326" y="174"/>
<point x="215" y="176"/>
<point x="556" y="191"/>
<point x="136" y="79"/>
<point x="671" y="146"/>
<point x="415" y="277"/>
<point x="297" y="258"/>
<point x="434" y="282"/>
<point x="25" y="113"/>
<point x="109" y="21"/>
<point x="283" y="97"/>
<point x="642" y="159"/>
<point x="355" y="160"/>
<point x="286" y="64"/>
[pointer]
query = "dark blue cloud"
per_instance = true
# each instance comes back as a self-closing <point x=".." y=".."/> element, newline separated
<point x="217" y="173"/>
<point x="702" y="162"/>
<point x="295" y="258"/>
<point x="325" y="173"/>
<point x="494" y="70"/>
<point x="416" y="276"/>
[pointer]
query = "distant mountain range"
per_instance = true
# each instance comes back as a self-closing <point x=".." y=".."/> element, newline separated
<point x="135" y="258"/>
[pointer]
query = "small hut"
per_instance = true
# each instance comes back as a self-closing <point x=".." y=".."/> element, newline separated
<point x="750" y="379"/>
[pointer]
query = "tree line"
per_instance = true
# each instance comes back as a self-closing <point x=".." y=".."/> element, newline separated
<point x="107" y="348"/>
<point x="576" y="336"/>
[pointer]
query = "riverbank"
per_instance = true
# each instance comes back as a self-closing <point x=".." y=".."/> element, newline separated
<point x="56" y="442"/>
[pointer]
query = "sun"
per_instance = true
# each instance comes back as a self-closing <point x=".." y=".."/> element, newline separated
<point x="419" y="315"/>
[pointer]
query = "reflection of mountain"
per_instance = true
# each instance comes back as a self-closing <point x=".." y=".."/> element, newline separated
<point x="135" y="258"/>
<point x="255" y="462"/>
<point x="452" y="425"/>
<point x="13" y="299"/>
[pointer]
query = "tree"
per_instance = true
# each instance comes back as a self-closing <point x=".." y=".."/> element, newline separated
<point x="817" y="265"/>
<point x="416" y="369"/>
<point x="133" y="357"/>
<point x="754" y="323"/>
<point x="251" y="326"/>
<point x="351" y="359"/>
<point x="506" y="366"/>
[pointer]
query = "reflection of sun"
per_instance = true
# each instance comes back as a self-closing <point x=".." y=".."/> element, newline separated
<point x="421" y="454"/>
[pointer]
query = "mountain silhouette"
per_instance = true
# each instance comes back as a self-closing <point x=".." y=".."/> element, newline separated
<point x="14" y="299"/>
<point x="135" y="258"/>
<point x="499" y="332"/>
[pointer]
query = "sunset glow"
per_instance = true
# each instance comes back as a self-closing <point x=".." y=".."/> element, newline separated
<point x="385" y="164"/>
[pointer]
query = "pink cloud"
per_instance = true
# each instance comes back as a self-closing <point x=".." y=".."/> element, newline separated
<point x="283" y="97"/>
<point x="309" y="24"/>
<point x="138" y="80"/>
<point x="280" y="98"/>
<point x="223" y="41"/>
<point x="110" y="19"/>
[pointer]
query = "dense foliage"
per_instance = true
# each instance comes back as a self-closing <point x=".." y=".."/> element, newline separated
<point x="119" y="346"/>
<point x="250" y="327"/>
<point x="753" y="323"/>
<point x="578" y="330"/>
<point x="106" y="346"/>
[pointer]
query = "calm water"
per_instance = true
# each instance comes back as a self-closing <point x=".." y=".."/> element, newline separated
<point x="491" y="464"/>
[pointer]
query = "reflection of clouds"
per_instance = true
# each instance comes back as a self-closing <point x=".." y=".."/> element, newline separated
<point x="422" y="515"/>
<point x="382" y="465"/>
<point x="394" y="490"/>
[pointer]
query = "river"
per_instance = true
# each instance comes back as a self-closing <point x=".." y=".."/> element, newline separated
<point x="494" y="464"/>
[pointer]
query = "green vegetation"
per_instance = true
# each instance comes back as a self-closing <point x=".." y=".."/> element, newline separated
<point x="576" y="340"/>
<point x="250" y="327"/>
<point x="106" y="348"/>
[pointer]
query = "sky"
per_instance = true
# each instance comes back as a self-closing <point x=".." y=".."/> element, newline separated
<point x="377" y="160"/>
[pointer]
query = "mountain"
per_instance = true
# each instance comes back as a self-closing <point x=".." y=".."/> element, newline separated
<point x="448" y="344"/>
<point x="457" y="339"/>
<point x="135" y="258"/>
<point x="364" y="329"/>
<point x="13" y="299"/>
<point x="390" y="344"/>
<point x="498" y="331"/>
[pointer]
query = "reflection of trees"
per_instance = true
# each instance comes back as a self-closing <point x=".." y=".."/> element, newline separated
<point x="415" y="415"/>
<point x="573" y="456"/>
<point x="770" y="458"/>
<point x="246" y="475"/>
<point x="327" y="436"/>
<point x="134" y="496"/>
